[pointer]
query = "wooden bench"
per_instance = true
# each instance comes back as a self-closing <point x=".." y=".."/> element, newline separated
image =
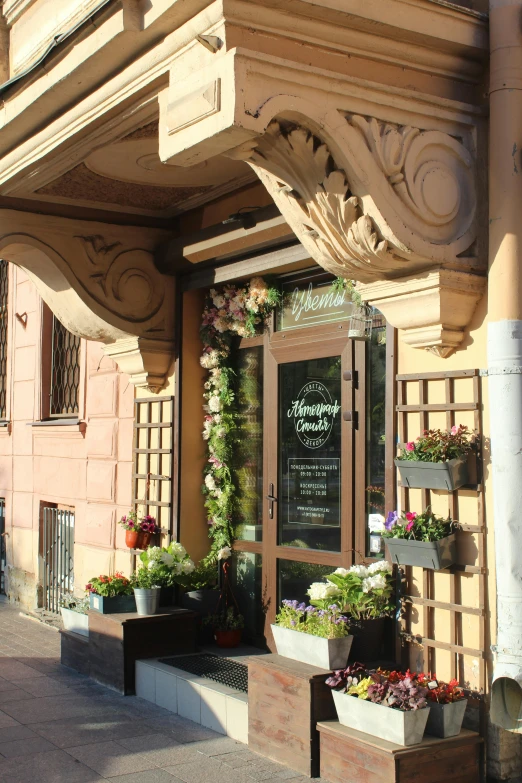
<point x="285" y="700"/>
<point x="349" y="756"/>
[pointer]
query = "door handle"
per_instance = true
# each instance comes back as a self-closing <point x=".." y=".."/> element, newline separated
<point x="271" y="500"/>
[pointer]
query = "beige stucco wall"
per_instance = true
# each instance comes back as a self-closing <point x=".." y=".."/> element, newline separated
<point x="90" y="470"/>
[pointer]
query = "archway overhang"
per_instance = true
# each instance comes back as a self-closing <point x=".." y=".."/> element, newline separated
<point x="380" y="185"/>
<point x="101" y="283"/>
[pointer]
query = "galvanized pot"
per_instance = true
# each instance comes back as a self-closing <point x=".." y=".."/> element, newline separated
<point x="147" y="601"/>
<point x="402" y="728"/>
<point x="324" y="653"/>
<point x="445" y="720"/>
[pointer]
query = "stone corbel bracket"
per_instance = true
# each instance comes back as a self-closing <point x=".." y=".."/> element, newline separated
<point x="101" y="283"/>
<point x="371" y="199"/>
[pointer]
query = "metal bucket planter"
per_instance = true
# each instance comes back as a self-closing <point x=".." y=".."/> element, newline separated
<point x="117" y="604"/>
<point x="445" y="720"/>
<point x="433" y="475"/>
<point x="325" y="653"/>
<point x="426" y="554"/>
<point x="147" y="600"/>
<point x="75" y="621"/>
<point x="403" y="728"/>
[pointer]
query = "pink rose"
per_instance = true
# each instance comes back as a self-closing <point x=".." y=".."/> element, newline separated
<point x="410" y="446"/>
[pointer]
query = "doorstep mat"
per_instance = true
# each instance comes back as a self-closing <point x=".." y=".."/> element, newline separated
<point x="213" y="667"/>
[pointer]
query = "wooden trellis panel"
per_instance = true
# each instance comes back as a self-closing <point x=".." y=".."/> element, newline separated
<point x="153" y="459"/>
<point x="421" y="598"/>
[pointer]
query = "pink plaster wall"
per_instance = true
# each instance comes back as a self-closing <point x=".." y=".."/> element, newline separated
<point x="90" y="470"/>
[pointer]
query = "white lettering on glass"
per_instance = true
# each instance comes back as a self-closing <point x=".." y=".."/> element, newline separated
<point x="304" y="301"/>
<point x="313" y="413"/>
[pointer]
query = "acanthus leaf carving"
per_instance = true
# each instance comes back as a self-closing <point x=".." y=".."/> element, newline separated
<point x="314" y="196"/>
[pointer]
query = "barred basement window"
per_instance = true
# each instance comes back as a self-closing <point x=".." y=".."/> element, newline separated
<point x="4" y="271"/>
<point x="65" y="371"/>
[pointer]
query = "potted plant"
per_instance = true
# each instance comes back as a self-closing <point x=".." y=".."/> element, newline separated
<point x="318" y="636"/>
<point x="146" y="589"/>
<point x="138" y="532"/>
<point x="170" y="564"/>
<point x="366" y="597"/>
<point x="74" y="614"/>
<point x="437" y="459"/>
<point x="111" y="594"/>
<point x="227" y="626"/>
<point x="447" y="706"/>
<point x="395" y="710"/>
<point x="423" y="540"/>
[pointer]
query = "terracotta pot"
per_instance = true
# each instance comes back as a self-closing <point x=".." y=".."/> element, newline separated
<point x="143" y="539"/>
<point x="131" y="539"/>
<point x="228" y="638"/>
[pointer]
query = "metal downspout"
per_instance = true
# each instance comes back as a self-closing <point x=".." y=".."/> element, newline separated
<point x="505" y="352"/>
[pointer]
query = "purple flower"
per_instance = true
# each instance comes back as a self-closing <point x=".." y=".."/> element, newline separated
<point x="391" y="519"/>
<point x="293" y="622"/>
<point x="302" y="607"/>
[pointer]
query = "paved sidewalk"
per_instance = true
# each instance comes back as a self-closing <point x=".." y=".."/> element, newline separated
<point x="57" y="726"/>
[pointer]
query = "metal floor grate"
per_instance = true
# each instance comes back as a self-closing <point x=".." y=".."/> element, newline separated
<point x="213" y="667"/>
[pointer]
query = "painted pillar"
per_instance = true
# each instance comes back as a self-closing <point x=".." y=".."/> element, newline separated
<point x="505" y="351"/>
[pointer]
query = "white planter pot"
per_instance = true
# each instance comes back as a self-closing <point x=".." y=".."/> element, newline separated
<point x="325" y="653"/>
<point x="75" y="622"/>
<point x="402" y="728"/>
<point x="445" y="720"/>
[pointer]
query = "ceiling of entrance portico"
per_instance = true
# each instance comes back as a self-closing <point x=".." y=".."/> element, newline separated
<point x="128" y="176"/>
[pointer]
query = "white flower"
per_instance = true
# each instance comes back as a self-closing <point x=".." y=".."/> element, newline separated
<point x="377" y="582"/>
<point x="318" y="591"/>
<point x="178" y="550"/>
<point x="152" y="565"/>
<point x="341" y="571"/>
<point x="380" y="566"/>
<point x="210" y="482"/>
<point x="187" y="566"/>
<point x="224" y="553"/>
<point x="359" y="570"/>
<point x="166" y="559"/>
<point x="218" y="300"/>
<point x="214" y="404"/>
<point x="154" y="553"/>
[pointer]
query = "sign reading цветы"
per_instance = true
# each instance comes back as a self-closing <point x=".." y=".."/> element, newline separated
<point x="309" y="302"/>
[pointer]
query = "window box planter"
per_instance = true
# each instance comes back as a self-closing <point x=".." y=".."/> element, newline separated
<point x="426" y="554"/>
<point x="403" y="728"/>
<point x="445" y="720"/>
<point x="314" y="650"/>
<point x="433" y="475"/>
<point x="75" y="622"/>
<point x="118" y="604"/>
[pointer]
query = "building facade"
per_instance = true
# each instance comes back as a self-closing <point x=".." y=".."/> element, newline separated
<point x="150" y="152"/>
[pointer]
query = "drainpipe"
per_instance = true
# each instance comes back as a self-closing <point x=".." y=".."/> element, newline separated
<point x="505" y="352"/>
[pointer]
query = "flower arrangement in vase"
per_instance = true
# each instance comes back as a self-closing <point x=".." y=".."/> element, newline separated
<point x="138" y="532"/>
<point x="437" y="459"/>
<point x="424" y="539"/>
<point x="168" y="565"/>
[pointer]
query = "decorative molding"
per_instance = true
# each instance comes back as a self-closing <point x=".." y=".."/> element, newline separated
<point x="433" y="309"/>
<point x="203" y="102"/>
<point x="145" y="361"/>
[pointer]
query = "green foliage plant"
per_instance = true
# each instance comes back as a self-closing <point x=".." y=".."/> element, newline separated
<point x="439" y="445"/>
<point x="418" y="527"/>
<point x="328" y="623"/>
<point x="364" y="592"/>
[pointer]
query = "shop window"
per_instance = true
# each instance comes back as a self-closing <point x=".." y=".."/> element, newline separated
<point x="4" y="272"/>
<point x="65" y="372"/>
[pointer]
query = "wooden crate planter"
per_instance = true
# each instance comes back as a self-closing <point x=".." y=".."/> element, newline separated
<point x="286" y="698"/>
<point x="425" y="554"/>
<point x="448" y="475"/>
<point x="349" y="756"/>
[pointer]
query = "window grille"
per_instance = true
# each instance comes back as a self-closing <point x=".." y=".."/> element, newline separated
<point x="4" y="270"/>
<point x="65" y="372"/>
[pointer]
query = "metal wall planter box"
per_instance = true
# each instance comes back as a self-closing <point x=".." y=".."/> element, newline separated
<point x="433" y="475"/>
<point x="75" y="621"/>
<point x="118" y="604"/>
<point x="403" y="728"/>
<point x="445" y="720"/>
<point x="324" y="653"/>
<point x="426" y="554"/>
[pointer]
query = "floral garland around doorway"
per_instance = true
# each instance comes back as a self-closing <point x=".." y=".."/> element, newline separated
<point x="232" y="311"/>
